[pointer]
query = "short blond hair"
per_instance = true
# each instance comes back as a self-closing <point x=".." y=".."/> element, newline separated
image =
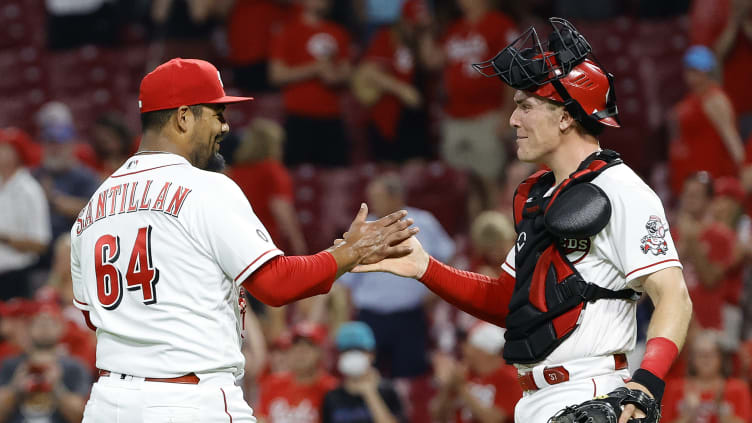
<point x="491" y="228"/>
<point x="259" y="140"/>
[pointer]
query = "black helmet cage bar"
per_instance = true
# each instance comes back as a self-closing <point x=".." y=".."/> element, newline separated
<point x="527" y="63"/>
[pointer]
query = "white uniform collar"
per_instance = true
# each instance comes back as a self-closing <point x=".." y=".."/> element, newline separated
<point x="149" y="160"/>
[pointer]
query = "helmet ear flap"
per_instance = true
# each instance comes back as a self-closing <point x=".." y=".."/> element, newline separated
<point x="589" y="123"/>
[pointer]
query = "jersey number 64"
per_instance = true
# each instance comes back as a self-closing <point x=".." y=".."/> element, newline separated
<point x="141" y="271"/>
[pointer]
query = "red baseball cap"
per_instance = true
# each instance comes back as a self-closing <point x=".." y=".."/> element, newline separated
<point x="29" y="152"/>
<point x="19" y="307"/>
<point x="728" y="186"/>
<point x="49" y="308"/>
<point x="183" y="82"/>
<point x="314" y="332"/>
<point x="281" y="342"/>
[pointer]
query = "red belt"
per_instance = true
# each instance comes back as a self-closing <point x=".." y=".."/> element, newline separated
<point x="559" y="374"/>
<point x="190" y="378"/>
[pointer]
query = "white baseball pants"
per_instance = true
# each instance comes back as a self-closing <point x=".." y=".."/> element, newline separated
<point x="133" y="400"/>
<point x="589" y="378"/>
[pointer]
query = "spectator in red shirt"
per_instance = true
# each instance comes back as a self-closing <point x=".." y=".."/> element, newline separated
<point x="310" y="61"/>
<point x="706" y="137"/>
<point x="710" y="256"/>
<point x="386" y="81"/>
<point x="711" y="260"/>
<point x="251" y="24"/>
<point x="707" y="394"/>
<point x="481" y="388"/>
<point x="727" y="209"/>
<point x="297" y="397"/>
<point x="75" y="341"/>
<point x="24" y="221"/>
<point x="728" y="206"/>
<point x="43" y="383"/>
<point x="14" y="315"/>
<point x="258" y="158"/>
<point x="477" y="110"/>
<point x="726" y="27"/>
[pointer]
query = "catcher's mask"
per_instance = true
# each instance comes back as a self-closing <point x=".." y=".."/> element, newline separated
<point x="562" y="69"/>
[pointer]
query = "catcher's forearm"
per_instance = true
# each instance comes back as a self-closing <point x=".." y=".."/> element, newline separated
<point x="667" y="330"/>
<point x="476" y="294"/>
<point x="673" y="307"/>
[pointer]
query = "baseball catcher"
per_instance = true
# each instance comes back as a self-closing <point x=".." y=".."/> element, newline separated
<point x="568" y="289"/>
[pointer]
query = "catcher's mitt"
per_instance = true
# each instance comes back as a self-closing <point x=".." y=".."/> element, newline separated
<point x="607" y="408"/>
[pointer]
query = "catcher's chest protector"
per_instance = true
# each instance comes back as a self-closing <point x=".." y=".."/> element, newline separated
<point x="549" y="292"/>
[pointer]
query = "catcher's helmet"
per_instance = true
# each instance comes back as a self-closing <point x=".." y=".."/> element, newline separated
<point x="561" y="71"/>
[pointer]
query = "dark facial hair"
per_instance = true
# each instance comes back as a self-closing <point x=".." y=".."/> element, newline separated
<point x="216" y="163"/>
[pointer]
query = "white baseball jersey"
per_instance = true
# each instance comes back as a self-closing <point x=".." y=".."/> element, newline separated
<point x="157" y="257"/>
<point x="635" y="242"/>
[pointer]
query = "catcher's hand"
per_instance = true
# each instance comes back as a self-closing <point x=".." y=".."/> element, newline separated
<point x="608" y="408"/>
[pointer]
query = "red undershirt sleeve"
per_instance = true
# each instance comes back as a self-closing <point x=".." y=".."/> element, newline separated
<point x="284" y="279"/>
<point x="483" y="297"/>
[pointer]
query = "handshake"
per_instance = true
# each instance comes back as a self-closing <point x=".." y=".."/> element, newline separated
<point x="384" y="245"/>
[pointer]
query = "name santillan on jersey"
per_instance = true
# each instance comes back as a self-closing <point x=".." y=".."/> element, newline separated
<point x="129" y="198"/>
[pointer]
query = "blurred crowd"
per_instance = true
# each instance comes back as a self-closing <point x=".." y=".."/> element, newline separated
<point x="377" y="348"/>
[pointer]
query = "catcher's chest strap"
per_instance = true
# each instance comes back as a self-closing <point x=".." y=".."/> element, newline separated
<point x="558" y="374"/>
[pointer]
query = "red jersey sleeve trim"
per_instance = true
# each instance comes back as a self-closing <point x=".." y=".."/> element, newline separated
<point x="254" y="262"/>
<point x="651" y="265"/>
<point x="80" y="302"/>
<point x="509" y="265"/>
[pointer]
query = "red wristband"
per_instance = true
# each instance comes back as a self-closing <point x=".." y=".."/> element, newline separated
<point x="660" y="354"/>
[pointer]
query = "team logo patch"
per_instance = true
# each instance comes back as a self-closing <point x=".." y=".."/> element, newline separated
<point x="575" y="249"/>
<point x="654" y="241"/>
